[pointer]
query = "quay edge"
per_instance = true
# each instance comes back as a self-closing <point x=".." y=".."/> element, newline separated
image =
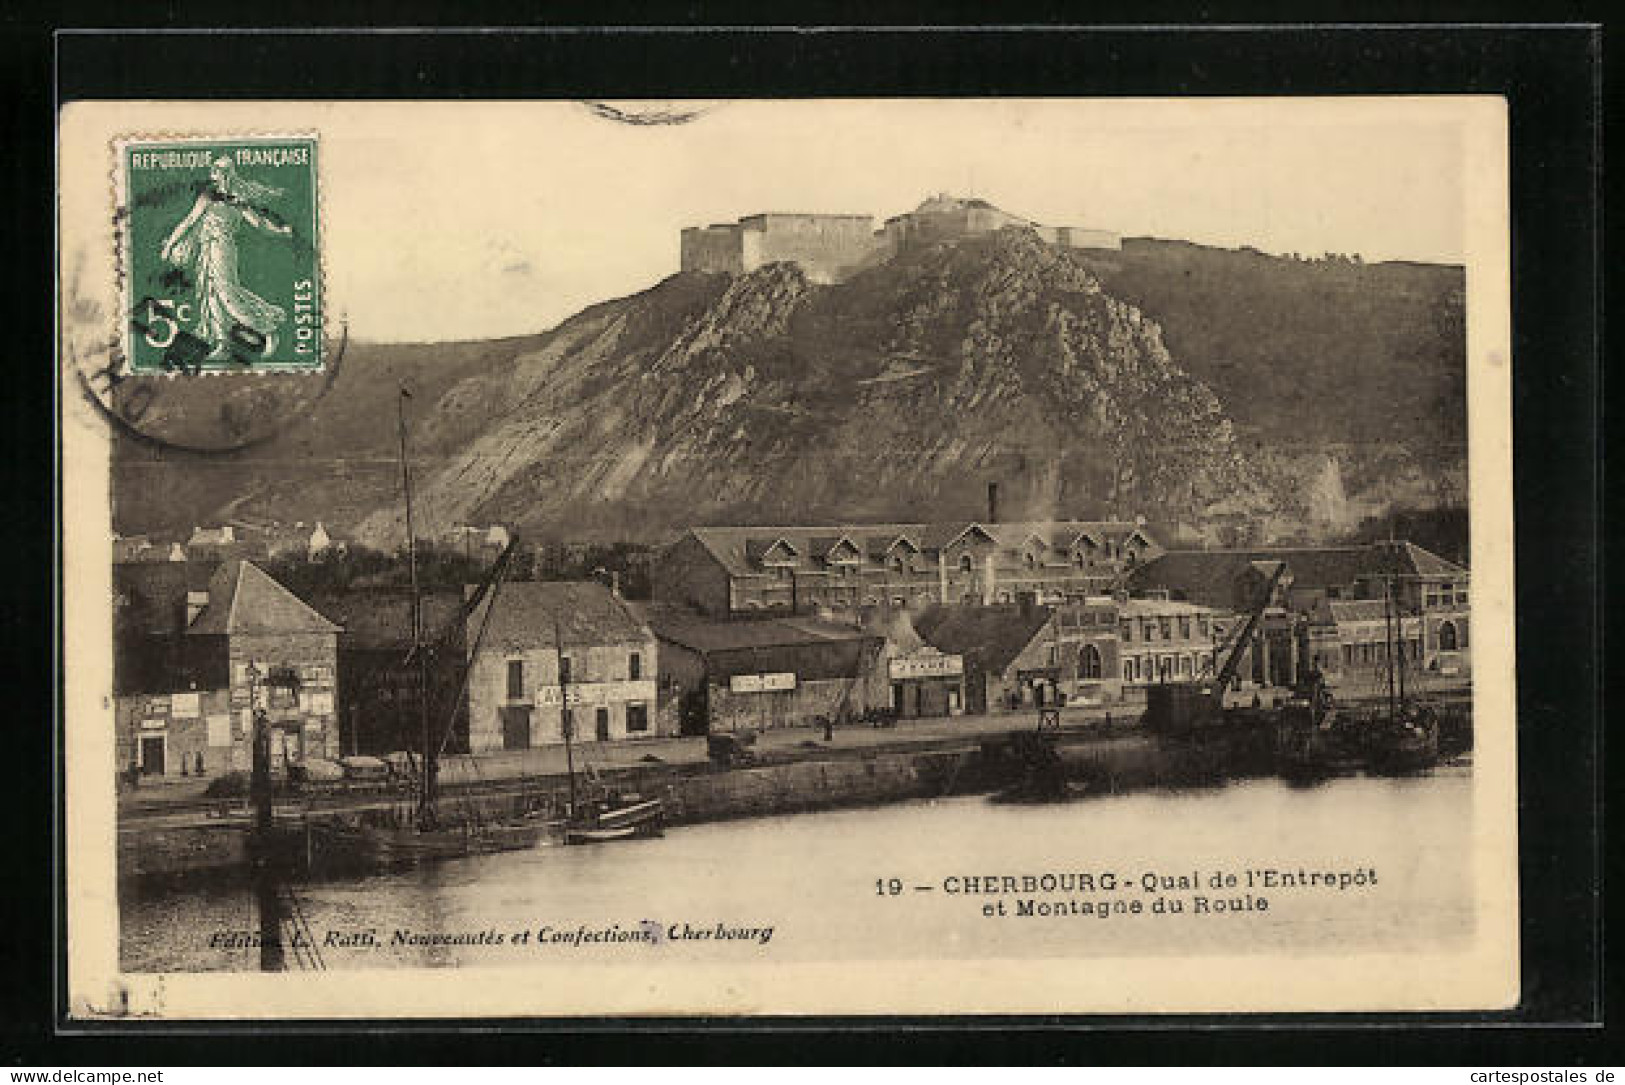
<point x="827" y="778"/>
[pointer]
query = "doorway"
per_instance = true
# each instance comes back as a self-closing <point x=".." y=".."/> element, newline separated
<point x="515" y="728"/>
<point x="287" y="746"/>
<point x="152" y="755"/>
<point x="693" y="719"/>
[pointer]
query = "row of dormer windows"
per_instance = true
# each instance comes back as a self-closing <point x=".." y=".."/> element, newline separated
<point x="966" y="564"/>
<point x="1080" y="558"/>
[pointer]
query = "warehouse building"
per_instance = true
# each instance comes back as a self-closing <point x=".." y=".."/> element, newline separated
<point x="766" y="673"/>
<point x="758" y="571"/>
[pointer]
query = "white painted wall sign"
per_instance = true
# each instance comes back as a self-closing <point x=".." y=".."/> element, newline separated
<point x="219" y="730"/>
<point x="926" y="666"/>
<point x="776" y="682"/>
<point x="598" y="693"/>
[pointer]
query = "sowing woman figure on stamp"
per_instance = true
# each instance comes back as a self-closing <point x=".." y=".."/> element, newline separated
<point x="205" y="243"/>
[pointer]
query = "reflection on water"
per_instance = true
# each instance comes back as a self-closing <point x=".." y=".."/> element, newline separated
<point x="820" y="886"/>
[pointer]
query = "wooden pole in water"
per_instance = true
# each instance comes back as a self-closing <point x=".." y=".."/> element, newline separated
<point x="1399" y="642"/>
<point x="1388" y="644"/>
<point x="267" y="899"/>
<point x="566" y="721"/>
<point x="426" y="796"/>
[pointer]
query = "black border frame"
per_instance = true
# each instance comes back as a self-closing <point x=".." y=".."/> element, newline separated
<point x="1551" y="76"/>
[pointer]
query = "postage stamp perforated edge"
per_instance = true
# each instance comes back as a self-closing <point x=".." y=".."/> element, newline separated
<point x="121" y="217"/>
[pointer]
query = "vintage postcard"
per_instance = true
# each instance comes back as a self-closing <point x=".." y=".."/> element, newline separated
<point x="768" y="557"/>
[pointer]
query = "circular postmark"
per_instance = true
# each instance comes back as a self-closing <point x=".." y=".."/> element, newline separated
<point x="217" y="337"/>
<point x="652" y="112"/>
<point x="198" y="414"/>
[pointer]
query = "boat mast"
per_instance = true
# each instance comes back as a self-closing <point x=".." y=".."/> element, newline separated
<point x="426" y="798"/>
<point x="1388" y="645"/>
<point x="1399" y="637"/>
<point x="565" y="716"/>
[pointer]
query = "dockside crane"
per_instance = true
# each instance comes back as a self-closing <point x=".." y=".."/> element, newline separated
<point x="1178" y="708"/>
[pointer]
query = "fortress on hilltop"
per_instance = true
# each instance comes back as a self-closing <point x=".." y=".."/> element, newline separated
<point x="833" y="248"/>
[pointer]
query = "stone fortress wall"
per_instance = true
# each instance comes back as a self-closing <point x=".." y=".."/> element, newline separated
<point x="832" y="248"/>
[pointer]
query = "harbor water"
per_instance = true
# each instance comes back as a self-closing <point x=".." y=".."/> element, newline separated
<point x="1362" y="863"/>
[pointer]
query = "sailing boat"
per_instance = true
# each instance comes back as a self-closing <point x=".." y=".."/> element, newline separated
<point x="598" y="818"/>
<point x="1407" y="739"/>
<point x="1313" y="741"/>
<point x="427" y="833"/>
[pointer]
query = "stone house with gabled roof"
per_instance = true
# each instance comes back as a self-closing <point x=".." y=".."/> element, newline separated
<point x="197" y="649"/>
<point x="534" y="631"/>
<point x="282" y="658"/>
<point x="726" y="572"/>
<point x="1010" y="652"/>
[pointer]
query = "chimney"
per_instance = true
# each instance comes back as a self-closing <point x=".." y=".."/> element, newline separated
<point x="993" y="502"/>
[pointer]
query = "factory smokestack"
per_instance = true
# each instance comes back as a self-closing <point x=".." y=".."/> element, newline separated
<point x="993" y="502"/>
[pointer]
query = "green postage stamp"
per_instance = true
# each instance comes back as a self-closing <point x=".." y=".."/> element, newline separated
<point x="219" y="254"/>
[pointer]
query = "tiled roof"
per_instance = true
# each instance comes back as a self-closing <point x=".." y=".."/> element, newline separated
<point x="1063" y="538"/>
<point x="1205" y="576"/>
<point x="705" y="635"/>
<point x="894" y="624"/>
<point x="1426" y="563"/>
<point x="152" y="595"/>
<point x="527" y="612"/>
<point x="1212" y="574"/>
<point x="990" y="637"/>
<point x="757" y="549"/>
<point x="244" y="599"/>
<point x="381" y="618"/>
<point x="739" y="549"/>
<point x="212" y="536"/>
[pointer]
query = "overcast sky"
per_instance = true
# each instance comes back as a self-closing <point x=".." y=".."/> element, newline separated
<point x="469" y="220"/>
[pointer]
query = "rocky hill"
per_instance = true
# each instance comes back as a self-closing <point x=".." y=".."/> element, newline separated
<point x="1325" y="348"/>
<point x="898" y="394"/>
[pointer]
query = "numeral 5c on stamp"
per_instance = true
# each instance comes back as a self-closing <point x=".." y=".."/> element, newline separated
<point x="219" y="254"/>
